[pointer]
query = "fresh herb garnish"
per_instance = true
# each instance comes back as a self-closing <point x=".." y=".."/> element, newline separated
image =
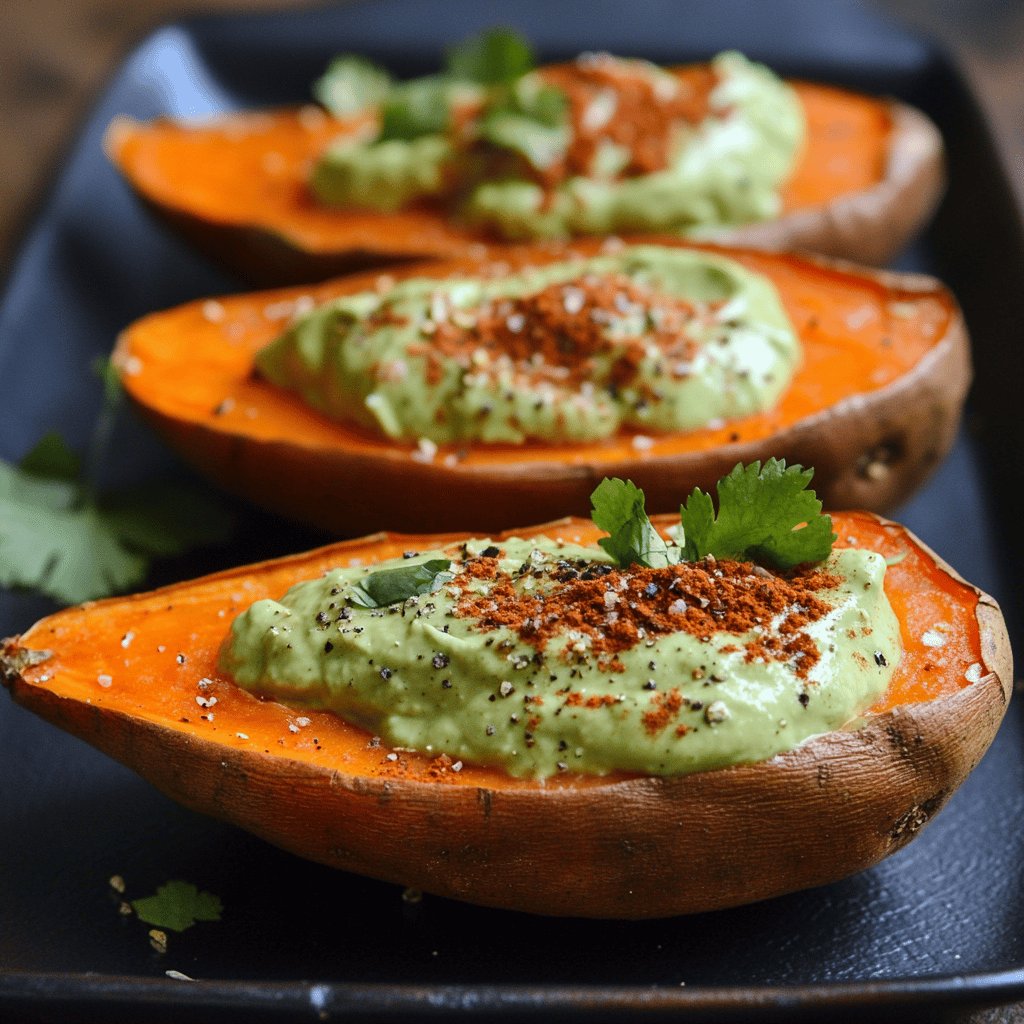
<point x="390" y="586"/>
<point x="632" y="538"/>
<point x="492" y="61"/>
<point x="60" y="537"/>
<point x="177" y="906"/>
<point x="497" y="56"/>
<point x="351" y="84"/>
<point x="533" y="124"/>
<point x="765" y="514"/>
<point x="416" y="108"/>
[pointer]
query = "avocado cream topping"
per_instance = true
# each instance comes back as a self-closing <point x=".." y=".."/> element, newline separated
<point x="600" y="144"/>
<point x="542" y="656"/>
<point x="649" y="338"/>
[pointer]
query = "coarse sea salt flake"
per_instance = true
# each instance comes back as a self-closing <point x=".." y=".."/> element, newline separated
<point x="573" y="300"/>
<point x="904" y="310"/>
<point x="104" y="681"/>
<point x="213" y="311"/>
<point x="426" y="451"/>
<point x="858" y="318"/>
<point x="973" y="673"/>
<point x="933" y="638"/>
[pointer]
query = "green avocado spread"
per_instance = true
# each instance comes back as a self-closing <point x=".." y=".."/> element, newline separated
<point x="644" y="338"/>
<point x="598" y="145"/>
<point x="542" y="657"/>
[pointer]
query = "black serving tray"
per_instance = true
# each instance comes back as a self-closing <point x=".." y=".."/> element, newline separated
<point x="935" y="930"/>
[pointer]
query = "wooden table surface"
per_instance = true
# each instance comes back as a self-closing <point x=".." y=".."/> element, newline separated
<point x="55" y="56"/>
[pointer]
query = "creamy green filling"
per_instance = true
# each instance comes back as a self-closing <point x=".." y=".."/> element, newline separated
<point x="726" y="169"/>
<point x="425" y="676"/>
<point x="706" y="340"/>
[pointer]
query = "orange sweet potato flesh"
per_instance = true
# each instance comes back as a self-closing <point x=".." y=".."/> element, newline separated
<point x="123" y="674"/>
<point x="874" y="408"/>
<point x="870" y="173"/>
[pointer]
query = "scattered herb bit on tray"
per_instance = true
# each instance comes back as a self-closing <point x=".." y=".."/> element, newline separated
<point x="178" y="905"/>
<point x="60" y="537"/>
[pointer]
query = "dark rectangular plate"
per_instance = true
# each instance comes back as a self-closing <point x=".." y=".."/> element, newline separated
<point x="938" y="926"/>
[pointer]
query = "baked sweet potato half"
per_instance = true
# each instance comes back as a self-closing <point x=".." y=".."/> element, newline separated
<point x="134" y="677"/>
<point x="869" y="174"/>
<point x="874" y="407"/>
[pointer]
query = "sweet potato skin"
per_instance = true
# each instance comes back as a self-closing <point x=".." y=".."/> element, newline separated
<point x="868" y="225"/>
<point x="626" y="848"/>
<point x="870" y="450"/>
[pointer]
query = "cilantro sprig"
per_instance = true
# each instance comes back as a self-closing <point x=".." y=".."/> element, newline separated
<point x="766" y="514"/>
<point x="632" y="538"/>
<point x="532" y="124"/>
<point x="390" y="586"/>
<point x="61" y="537"/>
<point x="497" y="56"/>
<point x="352" y="84"/>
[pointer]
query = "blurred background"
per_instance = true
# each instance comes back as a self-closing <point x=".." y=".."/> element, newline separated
<point x="55" y="56"/>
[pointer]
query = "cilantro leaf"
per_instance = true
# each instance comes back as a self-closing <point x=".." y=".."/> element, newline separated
<point x="66" y="553"/>
<point x="423" y="106"/>
<point x="618" y="508"/>
<point x="495" y="57"/>
<point x="56" y="539"/>
<point x="351" y="84"/>
<point x="177" y="906"/>
<point x="415" y="108"/>
<point x="534" y="125"/>
<point x="52" y="457"/>
<point x="539" y="145"/>
<point x="764" y="514"/>
<point x="389" y="586"/>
